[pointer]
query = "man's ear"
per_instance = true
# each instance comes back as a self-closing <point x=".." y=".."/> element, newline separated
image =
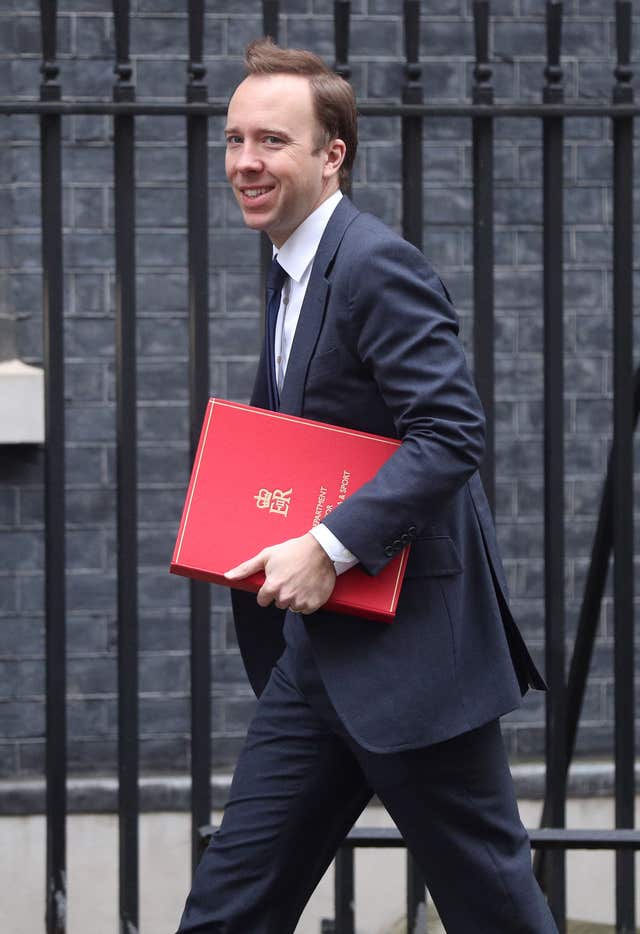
<point x="335" y="150"/>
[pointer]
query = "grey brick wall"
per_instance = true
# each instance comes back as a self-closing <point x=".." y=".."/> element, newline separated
<point x="159" y="42"/>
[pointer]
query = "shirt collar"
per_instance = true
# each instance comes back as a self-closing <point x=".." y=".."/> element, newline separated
<point x="298" y="251"/>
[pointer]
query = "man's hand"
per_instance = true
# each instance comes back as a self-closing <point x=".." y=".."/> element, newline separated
<point x="299" y="574"/>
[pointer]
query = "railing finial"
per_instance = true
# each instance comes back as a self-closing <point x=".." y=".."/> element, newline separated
<point x="196" y="71"/>
<point x="341" y="36"/>
<point x="123" y="89"/>
<point x="413" y="68"/>
<point x="554" y="74"/>
<point x="623" y="89"/>
<point x="482" y="73"/>
<point x="49" y="88"/>
<point x="270" y="18"/>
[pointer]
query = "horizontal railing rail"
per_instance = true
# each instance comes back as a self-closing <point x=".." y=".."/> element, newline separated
<point x="545" y="838"/>
<point x="212" y="108"/>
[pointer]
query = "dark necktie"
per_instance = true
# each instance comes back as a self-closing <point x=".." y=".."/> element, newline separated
<point x="275" y="281"/>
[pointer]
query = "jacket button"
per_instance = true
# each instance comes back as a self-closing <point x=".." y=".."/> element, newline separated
<point x="389" y="551"/>
<point x="405" y="538"/>
<point x="397" y="545"/>
<point x="412" y="531"/>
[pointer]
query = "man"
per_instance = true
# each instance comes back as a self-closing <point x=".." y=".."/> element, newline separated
<point x="365" y="337"/>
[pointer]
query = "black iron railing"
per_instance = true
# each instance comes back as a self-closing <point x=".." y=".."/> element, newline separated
<point x="615" y="528"/>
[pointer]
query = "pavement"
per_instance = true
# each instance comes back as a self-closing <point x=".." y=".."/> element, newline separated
<point x="435" y="926"/>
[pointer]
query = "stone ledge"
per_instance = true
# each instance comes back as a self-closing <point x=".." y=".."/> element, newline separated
<point x="21" y="403"/>
<point x="587" y="779"/>
<point x="99" y="794"/>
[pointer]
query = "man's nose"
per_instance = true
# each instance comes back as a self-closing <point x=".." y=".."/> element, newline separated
<point x="248" y="159"/>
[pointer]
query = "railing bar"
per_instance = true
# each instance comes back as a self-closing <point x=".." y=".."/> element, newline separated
<point x="341" y="40"/>
<point x="127" y="518"/>
<point x="270" y="27"/>
<point x="344" y="891"/>
<point x="554" y="565"/>
<point x="555" y="706"/>
<point x="623" y="525"/>
<point x="590" y="608"/>
<point x="416" y="897"/>
<point x="54" y="483"/>
<point x="198" y="270"/>
<point x="412" y="94"/>
<point x="126" y="432"/>
<point x="483" y="246"/>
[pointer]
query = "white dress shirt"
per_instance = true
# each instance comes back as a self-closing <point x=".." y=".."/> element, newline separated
<point x="296" y="257"/>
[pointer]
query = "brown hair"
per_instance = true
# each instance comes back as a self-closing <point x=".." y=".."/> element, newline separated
<point x="333" y="97"/>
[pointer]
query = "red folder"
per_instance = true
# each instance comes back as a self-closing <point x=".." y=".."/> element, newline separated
<point x="262" y="477"/>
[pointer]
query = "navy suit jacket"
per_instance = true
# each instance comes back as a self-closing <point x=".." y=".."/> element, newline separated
<point x="376" y="349"/>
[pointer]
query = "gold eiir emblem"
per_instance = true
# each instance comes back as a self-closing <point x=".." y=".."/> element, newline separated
<point x="276" y="501"/>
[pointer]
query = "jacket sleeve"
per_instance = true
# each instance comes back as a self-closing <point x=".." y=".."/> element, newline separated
<point x="405" y="332"/>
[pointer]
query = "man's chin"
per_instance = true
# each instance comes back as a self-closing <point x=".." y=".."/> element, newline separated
<point x="255" y="221"/>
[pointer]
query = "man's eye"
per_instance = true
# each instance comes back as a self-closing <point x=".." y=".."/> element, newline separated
<point x="273" y="140"/>
<point x="234" y="140"/>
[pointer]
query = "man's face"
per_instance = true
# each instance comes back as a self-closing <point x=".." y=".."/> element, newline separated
<point x="275" y="161"/>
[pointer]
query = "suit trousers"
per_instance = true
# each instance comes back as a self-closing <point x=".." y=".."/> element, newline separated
<point x="300" y="784"/>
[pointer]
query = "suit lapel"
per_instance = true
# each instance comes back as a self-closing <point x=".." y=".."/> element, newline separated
<point x="313" y="309"/>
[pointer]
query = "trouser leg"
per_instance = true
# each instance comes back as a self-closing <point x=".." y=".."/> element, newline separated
<point x="455" y="805"/>
<point x="301" y="782"/>
<point x="296" y="792"/>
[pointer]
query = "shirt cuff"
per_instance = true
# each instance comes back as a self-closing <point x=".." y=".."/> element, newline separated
<point x="342" y="558"/>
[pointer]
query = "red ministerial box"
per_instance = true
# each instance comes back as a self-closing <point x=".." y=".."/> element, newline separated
<point x="262" y="477"/>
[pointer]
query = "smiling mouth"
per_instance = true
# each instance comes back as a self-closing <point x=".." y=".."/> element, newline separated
<point x="252" y="193"/>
